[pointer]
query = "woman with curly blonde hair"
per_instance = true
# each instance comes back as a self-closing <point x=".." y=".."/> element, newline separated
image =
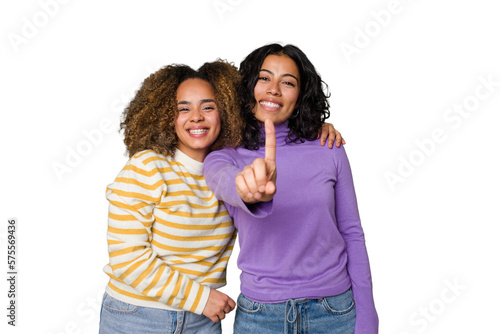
<point x="149" y="120"/>
<point x="169" y="238"/>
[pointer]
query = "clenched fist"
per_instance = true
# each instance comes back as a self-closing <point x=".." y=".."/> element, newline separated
<point x="218" y="305"/>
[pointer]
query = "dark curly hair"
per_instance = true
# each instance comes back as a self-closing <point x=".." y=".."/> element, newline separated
<point x="149" y="120"/>
<point x="312" y="107"/>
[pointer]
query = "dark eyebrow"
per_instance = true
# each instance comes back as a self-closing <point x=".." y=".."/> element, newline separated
<point x="202" y="101"/>
<point x="284" y="75"/>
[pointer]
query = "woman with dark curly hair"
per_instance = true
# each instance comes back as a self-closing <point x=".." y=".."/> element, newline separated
<point x="169" y="238"/>
<point x="302" y="249"/>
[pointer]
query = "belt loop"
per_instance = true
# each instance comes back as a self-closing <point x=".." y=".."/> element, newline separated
<point x="179" y="321"/>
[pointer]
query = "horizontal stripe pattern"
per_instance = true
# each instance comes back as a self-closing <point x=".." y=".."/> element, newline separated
<point x="169" y="238"/>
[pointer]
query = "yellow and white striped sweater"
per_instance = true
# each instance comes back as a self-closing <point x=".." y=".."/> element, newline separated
<point x="169" y="238"/>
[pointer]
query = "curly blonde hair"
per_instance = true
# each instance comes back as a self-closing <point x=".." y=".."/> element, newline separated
<point x="149" y="120"/>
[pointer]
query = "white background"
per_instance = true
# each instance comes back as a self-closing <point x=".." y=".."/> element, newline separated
<point x="69" y="67"/>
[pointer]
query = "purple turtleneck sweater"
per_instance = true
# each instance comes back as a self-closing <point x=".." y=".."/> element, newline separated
<point x="308" y="241"/>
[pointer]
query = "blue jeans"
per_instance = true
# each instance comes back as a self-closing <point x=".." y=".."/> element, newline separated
<point x="119" y="317"/>
<point x="334" y="315"/>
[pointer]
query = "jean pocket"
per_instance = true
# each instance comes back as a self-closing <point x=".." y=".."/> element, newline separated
<point x="248" y="306"/>
<point x="117" y="306"/>
<point x="340" y="304"/>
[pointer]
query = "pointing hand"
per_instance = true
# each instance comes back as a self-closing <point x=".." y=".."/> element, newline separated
<point x="257" y="182"/>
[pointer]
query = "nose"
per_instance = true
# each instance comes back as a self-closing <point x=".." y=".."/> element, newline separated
<point x="274" y="88"/>
<point x="197" y="116"/>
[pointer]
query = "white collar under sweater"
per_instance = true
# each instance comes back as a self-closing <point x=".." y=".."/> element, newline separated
<point x="192" y="165"/>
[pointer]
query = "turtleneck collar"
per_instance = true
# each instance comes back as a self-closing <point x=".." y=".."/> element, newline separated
<point x="281" y="133"/>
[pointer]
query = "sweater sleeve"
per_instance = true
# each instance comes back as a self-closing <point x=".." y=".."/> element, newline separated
<point x="132" y="200"/>
<point x="358" y="266"/>
<point x="220" y="170"/>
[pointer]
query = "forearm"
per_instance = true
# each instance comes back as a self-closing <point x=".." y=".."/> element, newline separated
<point x="134" y="263"/>
<point x="220" y="174"/>
<point x="358" y="266"/>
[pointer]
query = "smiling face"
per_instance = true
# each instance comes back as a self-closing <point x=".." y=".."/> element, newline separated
<point x="277" y="89"/>
<point x="198" y="122"/>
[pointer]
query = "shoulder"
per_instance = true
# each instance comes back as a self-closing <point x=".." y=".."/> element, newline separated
<point x="223" y="154"/>
<point x="143" y="177"/>
<point x="314" y="151"/>
<point x="315" y="145"/>
<point x="149" y="159"/>
<point x="148" y="164"/>
<point x="338" y="154"/>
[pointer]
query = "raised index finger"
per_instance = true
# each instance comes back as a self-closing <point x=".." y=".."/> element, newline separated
<point x="270" y="149"/>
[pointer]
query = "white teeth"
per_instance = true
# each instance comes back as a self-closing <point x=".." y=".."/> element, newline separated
<point x="270" y="104"/>
<point x="197" y="131"/>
